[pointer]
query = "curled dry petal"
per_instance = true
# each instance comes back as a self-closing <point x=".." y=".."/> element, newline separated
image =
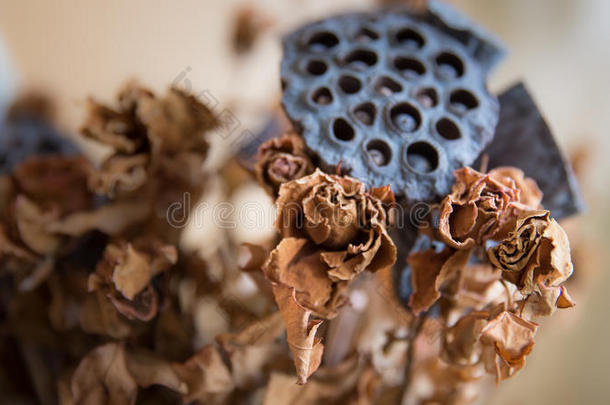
<point x="301" y="331"/>
<point x="431" y="271"/>
<point x="536" y="258"/>
<point x="204" y="374"/>
<point x="481" y="207"/>
<point x="529" y="193"/>
<point x="512" y="338"/>
<point x="102" y="378"/>
<point x="281" y="160"/>
<point x="58" y="182"/>
<point x="125" y="274"/>
<point x="500" y="342"/>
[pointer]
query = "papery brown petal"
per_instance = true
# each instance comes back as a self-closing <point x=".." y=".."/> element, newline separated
<point x="176" y="122"/>
<point x="565" y="300"/>
<point x="301" y="333"/>
<point x="296" y="263"/>
<point x="59" y="182"/>
<point x="148" y="369"/>
<point x="116" y="129"/>
<point x="530" y="195"/>
<point x="99" y="316"/>
<point x="111" y="219"/>
<point x="120" y="174"/>
<point x="204" y="374"/>
<point x="102" y="378"/>
<point x="251" y="257"/>
<point x="462" y="341"/>
<point x="144" y="306"/>
<point x="32" y="222"/>
<point x="513" y="339"/>
<point x="254" y="350"/>
<point x="429" y="271"/>
<point x="132" y="274"/>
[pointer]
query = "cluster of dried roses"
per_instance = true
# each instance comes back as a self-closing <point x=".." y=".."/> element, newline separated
<point x="489" y="261"/>
<point x="100" y="303"/>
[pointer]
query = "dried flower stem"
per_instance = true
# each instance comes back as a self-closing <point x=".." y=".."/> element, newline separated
<point x="416" y="326"/>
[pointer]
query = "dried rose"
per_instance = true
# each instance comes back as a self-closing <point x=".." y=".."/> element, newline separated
<point x="149" y="136"/>
<point x="332" y="231"/>
<point x="482" y="206"/>
<point x="536" y="258"/>
<point x="281" y="160"/>
<point x="57" y="181"/>
<point x="126" y="272"/>
<point x="498" y="340"/>
<point x="335" y="230"/>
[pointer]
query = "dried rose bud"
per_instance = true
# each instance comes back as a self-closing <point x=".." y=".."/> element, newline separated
<point x="536" y="258"/>
<point x="280" y="161"/>
<point x="482" y="206"/>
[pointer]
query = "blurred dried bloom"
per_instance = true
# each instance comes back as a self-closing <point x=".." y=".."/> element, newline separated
<point x="482" y="206"/>
<point x="536" y="258"/>
<point x="126" y="272"/>
<point x="144" y="132"/>
<point x="281" y="160"/>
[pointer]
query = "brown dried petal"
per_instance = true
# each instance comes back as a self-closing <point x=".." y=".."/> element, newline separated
<point x="58" y="182"/>
<point x="117" y="129"/>
<point x="132" y="274"/>
<point x="120" y="174"/>
<point x="529" y="193"/>
<point x="32" y="224"/>
<point x="430" y="270"/>
<point x="111" y="219"/>
<point x="204" y="374"/>
<point x="512" y="338"/>
<point x="102" y="378"/>
<point x="176" y="122"/>
<point x="296" y="263"/>
<point x="254" y="350"/>
<point x="301" y="332"/>
<point x="99" y="316"/>
<point x="147" y="369"/>
<point x="481" y="206"/>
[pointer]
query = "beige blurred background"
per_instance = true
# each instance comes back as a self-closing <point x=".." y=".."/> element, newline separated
<point x="560" y="48"/>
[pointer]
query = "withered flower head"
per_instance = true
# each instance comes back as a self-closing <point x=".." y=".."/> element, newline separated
<point x="55" y="181"/>
<point x="497" y="340"/>
<point x="536" y="258"/>
<point x="346" y="223"/>
<point x="332" y="230"/>
<point x="281" y="160"/>
<point x="481" y="206"/>
<point x="126" y="272"/>
<point x="145" y="131"/>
